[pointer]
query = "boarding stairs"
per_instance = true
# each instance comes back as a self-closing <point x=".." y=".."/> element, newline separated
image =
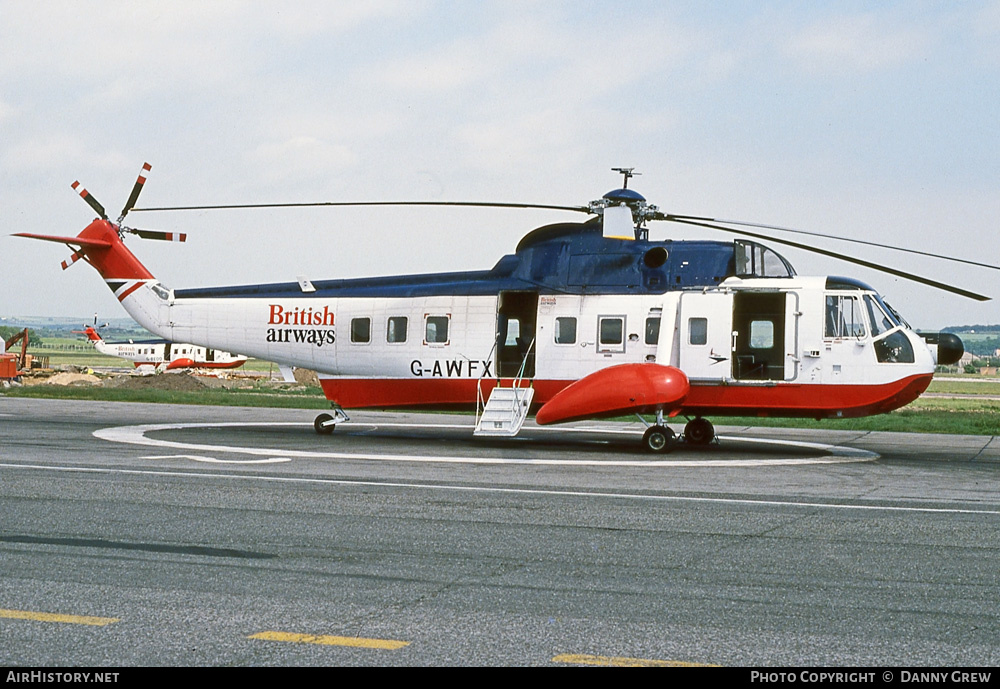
<point x="504" y="412"/>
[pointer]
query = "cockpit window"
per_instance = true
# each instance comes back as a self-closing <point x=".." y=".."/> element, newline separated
<point x="894" y="348"/>
<point x="844" y="317"/>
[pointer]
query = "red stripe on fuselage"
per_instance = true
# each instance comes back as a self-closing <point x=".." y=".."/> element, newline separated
<point x="129" y="291"/>
<point x="781" y="399"/>
<point x="204" y="364"/>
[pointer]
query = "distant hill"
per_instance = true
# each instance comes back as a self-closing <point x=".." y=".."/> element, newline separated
<point x="977" y="329"/>
<point x="41" y="327"/>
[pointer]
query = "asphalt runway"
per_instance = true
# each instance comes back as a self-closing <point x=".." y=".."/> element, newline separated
<point x="138" y="534"/>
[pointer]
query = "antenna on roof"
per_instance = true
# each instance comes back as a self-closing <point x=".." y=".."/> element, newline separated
<point x="628" y="174"/>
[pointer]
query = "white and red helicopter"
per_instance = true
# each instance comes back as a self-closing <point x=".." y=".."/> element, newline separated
<point x="583" y="320"/>
<point x="163" y="354"/>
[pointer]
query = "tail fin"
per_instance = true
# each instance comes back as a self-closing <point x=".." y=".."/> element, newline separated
<point x="101" y="246"/>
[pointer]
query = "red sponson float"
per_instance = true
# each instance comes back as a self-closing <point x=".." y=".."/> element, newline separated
<point x="616" y="390"/>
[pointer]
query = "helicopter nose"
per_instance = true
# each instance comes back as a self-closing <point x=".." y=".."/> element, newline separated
<point x="950" y="349"/>
<point x="947" y="347"/>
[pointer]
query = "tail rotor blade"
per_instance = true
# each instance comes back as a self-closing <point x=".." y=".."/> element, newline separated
<point x="157" y="234"/>
<point x="134" y="196"/>
<point x="76" y="256"/>
<point x="91" y="201"/>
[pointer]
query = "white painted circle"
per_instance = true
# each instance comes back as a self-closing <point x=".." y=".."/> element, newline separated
<point x="136" y="435"/>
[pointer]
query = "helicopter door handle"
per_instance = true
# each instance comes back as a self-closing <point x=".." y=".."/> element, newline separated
<point x="735" y="334"/>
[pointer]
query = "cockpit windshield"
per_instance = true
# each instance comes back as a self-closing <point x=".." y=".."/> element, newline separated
<point x="895" y="314"/>
<point x="880" y="320"/>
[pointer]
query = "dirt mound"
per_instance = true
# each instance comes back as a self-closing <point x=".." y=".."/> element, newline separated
<point x="72" y="379"/>
<point x="304" y="376"/>
<point x="180" y="382"/>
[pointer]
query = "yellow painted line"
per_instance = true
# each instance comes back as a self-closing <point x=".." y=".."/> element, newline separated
<point x="611" y="661"/>
<point x="354" y="641"/>
<point x="52" y="617"/>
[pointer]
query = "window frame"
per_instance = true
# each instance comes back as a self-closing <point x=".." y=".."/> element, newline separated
<point x="388" y="329"/>
<point x="557" y="330"/>
<point x="427" y="322"/>
<point x="357" y="319"/>
<point x="611" y="347"/>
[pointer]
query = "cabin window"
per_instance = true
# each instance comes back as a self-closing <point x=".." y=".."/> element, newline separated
<point x="566" y="330"/>
<point x="844" y="317"/>
<point x="611" y="334"/>
<point x="160" y="291"/>
<point x="361" y="330"/>
<point x="436" y="330"/>
<point x="756" y="260"/>
<point x="652" y="330"/>
<point x="698" y="331"/>
<point x="761" y="334"/>
<point x="396" y="329"/>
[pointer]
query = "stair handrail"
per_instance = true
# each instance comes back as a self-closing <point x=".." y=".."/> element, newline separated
<point x="480" y="402"/>
<point x="520" y="375"/>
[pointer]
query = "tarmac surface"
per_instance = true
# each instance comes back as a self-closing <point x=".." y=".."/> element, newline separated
<point x="136" y="535"/>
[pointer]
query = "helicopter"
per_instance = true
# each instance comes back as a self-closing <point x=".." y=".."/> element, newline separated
<point x="162" y="355"/>
<point x="583" y="320"/>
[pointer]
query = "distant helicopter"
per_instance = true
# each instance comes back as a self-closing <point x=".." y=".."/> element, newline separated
<point x="584" y="320"/>
<point x="164" y="355"/>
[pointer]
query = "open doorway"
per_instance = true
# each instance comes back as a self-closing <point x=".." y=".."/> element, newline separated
<point x="517" y="313"/>
<point x="759" y="336"/>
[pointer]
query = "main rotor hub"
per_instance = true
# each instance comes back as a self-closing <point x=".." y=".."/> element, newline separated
<point x="633" y="200"/>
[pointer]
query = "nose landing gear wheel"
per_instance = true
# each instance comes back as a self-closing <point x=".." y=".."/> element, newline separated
<point x="659" y="439"/>
<point x="699" y="431"/>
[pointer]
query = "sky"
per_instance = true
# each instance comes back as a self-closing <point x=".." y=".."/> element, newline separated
<point x="874" y="121"/>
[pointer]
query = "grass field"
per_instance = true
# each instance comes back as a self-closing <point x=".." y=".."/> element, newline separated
<point x="64" y="351"/>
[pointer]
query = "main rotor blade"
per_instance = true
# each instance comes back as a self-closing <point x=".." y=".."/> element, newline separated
<point x="91" y="201"/>
<point x="134" y="196"/>
<point x="479" y="204"/>
<point x="849" y="259"/>
<point x="682" y="218"/>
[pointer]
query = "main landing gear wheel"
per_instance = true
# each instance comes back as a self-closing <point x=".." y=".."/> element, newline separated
<point x="699" y="431"/>
<point x="659" y="439"/>
<point x="320" y="424"/>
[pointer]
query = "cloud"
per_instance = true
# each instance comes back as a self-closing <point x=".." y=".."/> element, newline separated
<point x="301" y="157"/>
<point x="857" y="43"/>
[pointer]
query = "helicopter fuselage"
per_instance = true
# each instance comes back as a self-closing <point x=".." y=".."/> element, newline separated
<point x="752" y="337"/>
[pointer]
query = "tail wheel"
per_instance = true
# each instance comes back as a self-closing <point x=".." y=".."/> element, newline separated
<point x="320" y="424"/>
<point x="699" y="431"/>
<point x="659" y="439"/>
